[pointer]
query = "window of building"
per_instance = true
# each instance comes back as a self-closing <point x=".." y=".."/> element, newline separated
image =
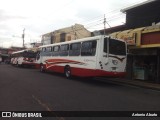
<point x="62" y="37"/>
<point x="69" y="38"/>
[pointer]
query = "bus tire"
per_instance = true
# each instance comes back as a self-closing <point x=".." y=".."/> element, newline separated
<point x="17" y="64"/>
<point x="67" y="71"/>
<point x="42" y="68"/>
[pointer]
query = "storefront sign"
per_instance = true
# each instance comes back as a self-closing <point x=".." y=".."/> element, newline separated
<point x="129" y="38"/>
<point x="152" y="28"/>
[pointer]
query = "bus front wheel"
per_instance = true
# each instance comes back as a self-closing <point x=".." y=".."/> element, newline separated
<point x="67" y="71"/>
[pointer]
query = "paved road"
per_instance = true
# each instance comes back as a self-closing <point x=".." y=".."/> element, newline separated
<point x="24" y="89"/>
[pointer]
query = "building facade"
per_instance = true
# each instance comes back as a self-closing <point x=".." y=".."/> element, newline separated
<point x="143" y="14"/>
<point x="66" y="34"/>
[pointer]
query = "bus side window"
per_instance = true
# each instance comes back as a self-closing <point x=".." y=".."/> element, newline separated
<point x="43" y="51"/>
<point x="105" y="45"/>
<point x="48" y="51"/>
<point x="89" y="48"/>
<point x="55" y="51"/>
<point x="64" y="50"/>
<point x="75" y="49"/>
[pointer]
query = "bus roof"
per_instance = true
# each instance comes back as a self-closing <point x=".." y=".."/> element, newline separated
<point x="18" y="51"/>
<point x="75" y="41"/>
<point x="80" y="40"/>
<point x="29" y="49"/>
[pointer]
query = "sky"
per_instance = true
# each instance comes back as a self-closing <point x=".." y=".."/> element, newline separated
<point x="38" y="17"/>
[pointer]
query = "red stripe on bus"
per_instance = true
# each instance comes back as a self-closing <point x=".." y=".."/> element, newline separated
<point x="81" y="72"/>
<point x="55" y="61"/>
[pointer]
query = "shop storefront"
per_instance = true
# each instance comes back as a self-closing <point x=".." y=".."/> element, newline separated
<point x="143" y="61"/>
<point x="144" y="64"/>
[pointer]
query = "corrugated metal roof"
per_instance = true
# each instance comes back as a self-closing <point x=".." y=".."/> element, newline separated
<point x="137" y="5"/>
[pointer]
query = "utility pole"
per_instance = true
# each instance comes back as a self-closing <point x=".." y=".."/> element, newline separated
<point x="104" y="24"/>
<point x="23" y="35"/>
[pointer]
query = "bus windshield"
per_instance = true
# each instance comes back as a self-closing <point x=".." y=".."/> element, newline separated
<point x="117" y="47"/>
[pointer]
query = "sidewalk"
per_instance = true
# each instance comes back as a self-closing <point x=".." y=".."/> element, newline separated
<point x="139" y="83"/>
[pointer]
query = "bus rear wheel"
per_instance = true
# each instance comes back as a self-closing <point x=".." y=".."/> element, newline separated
<point x="17" y="64"/>
<point x="67" y="71"/>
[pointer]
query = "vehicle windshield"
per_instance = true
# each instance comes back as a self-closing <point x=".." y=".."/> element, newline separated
<point x="117" y="47"/>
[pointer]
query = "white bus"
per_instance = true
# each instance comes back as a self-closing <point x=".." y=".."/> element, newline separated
<point x="23" y="58"/>
<point x="88" y="57"/>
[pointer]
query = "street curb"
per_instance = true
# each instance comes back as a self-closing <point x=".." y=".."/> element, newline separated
<point x="152" y="86"/>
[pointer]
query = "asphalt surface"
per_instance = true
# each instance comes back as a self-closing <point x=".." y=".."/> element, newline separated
<point x="24" y="89"/>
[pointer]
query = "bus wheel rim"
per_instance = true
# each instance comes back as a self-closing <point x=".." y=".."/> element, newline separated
<point x="67" y="72"/>
<point x="41" y="67"/>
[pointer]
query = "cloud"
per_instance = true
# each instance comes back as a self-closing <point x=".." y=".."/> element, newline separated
<point x="42" y="16"/>
<point x="89" y="14"/>
<point x="5" y="17"/>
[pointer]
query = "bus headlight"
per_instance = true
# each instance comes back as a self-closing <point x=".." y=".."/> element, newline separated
<point x="115" y="62"/>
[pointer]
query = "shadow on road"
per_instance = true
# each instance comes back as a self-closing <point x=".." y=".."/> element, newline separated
<point x="95" y="82"/>
<point x="89" y="81"/>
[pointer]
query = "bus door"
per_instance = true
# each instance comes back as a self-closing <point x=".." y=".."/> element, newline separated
<point x="104" y="61"/>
